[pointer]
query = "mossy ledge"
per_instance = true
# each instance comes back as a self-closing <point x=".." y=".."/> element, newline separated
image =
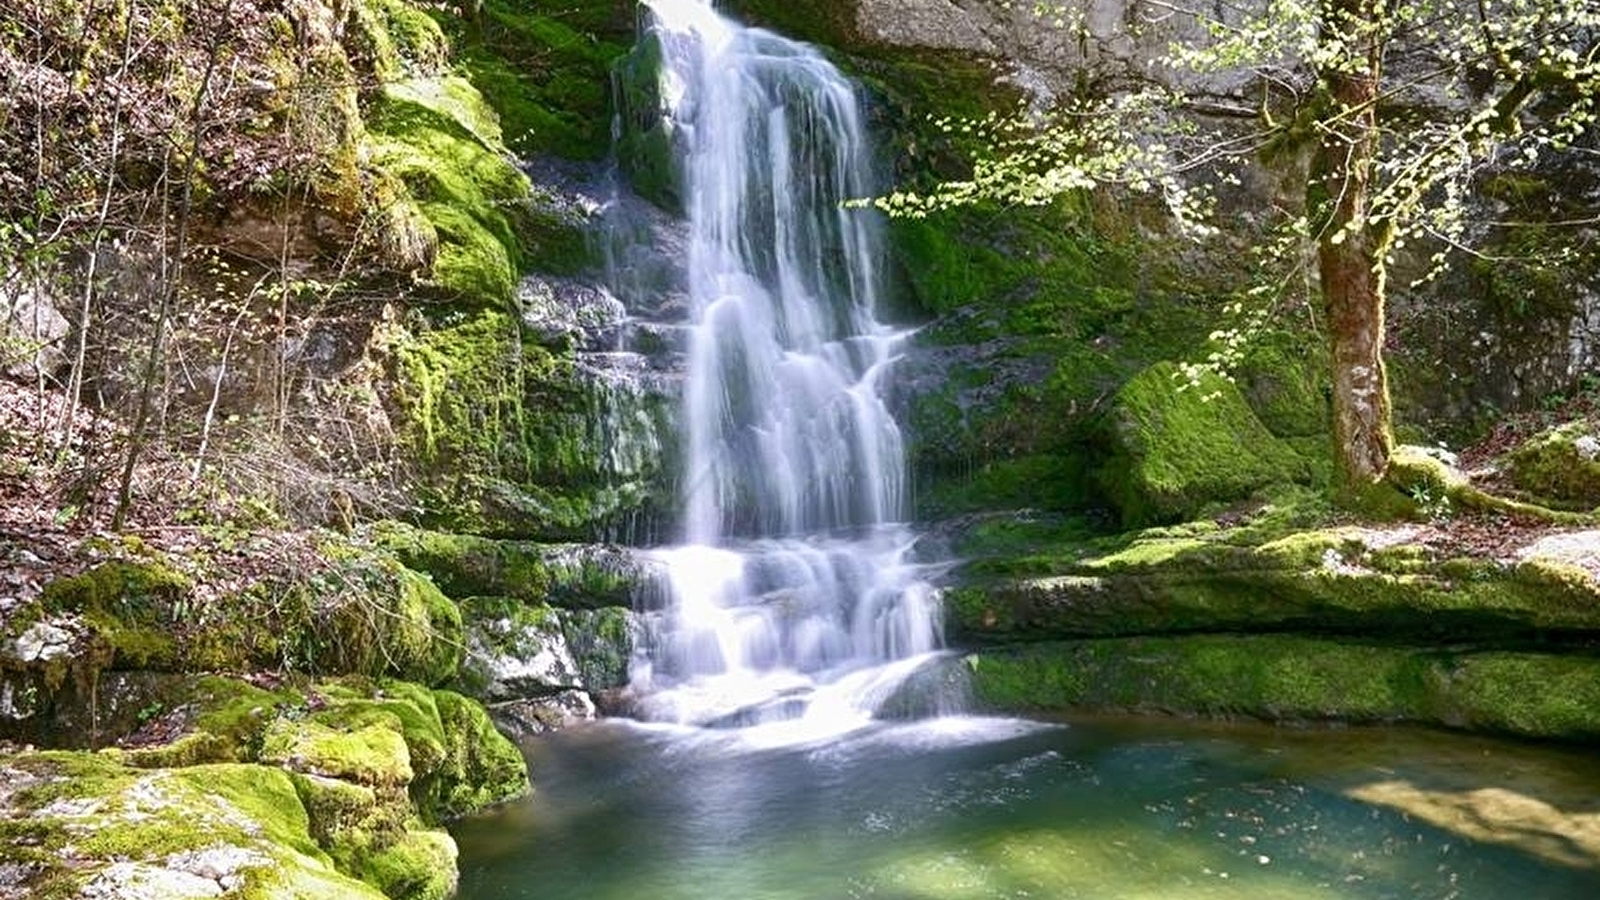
<point x="1343" y="580"/>
<point x="1286" y="678"/>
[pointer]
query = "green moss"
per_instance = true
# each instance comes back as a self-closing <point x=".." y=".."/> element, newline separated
<point x="339" y="809"/>
<point x="457" y="762"/>
<point x="438" y="139"/>
<point x="1277" y="677"/>
<point x="1519" y="693"/>
<point x="374" y="754"/>
<point x="504" y="435"/>
<point x="1175" y="445"/>
<point x="125" y="588"/>
<point x="402" y="708"/>
<point x="132" y="605"/>
<point x="1284" y="378"/>
<point x="1042" y="481"/>
<point x="83" y="812"/>
<point x="481" y="767"/>
<point x="467" y="565"/>
<point x="267" y="796"/>
<point x="393" y="39"/>
<point x="1554" y="469"/>
<point x="602" y="644"/>
<point x="421" y="865"/>
<point x="546" y="71"/>
<point x="390" y="620"/>
<point x="429" y="641"/>
<point x="1319" y="581"/>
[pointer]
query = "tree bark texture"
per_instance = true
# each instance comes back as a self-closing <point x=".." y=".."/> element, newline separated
<point x="1350" y="247"/>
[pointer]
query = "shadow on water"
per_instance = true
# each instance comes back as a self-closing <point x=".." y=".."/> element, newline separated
<point x="1092" y="808"/>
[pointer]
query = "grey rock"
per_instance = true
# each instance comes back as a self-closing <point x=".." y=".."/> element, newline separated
<point x="926" y="24"/>
<point x="520" y="718"/>
<point x="33" y="331"/>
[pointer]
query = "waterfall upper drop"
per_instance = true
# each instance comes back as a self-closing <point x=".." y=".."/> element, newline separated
<point x="792" y="599"/>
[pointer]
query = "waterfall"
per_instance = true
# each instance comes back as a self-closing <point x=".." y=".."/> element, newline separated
<point x="792" y="598"/>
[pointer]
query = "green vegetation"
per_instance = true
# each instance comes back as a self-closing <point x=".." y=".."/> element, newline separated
<point x="331" y="788"/>
<point x="1327" y="581"/>
<point x="439" y="140"/>
<point x="357" y="611"/>
<point x="1283" y="677"/>
<point x="1560" y="467"/>
<point x="472" y="566"/>
<point x="545" y="71"/>
<point x="1176" y="444"/>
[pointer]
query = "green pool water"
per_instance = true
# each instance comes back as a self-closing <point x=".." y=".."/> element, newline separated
<point x="1108" y="809"/>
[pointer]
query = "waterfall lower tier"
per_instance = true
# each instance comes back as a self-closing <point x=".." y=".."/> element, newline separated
<point x="792" y="599"/>
<point x="816" y="632"/>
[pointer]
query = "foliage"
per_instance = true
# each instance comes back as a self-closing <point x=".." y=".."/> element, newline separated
<point x="1348" y="80"/>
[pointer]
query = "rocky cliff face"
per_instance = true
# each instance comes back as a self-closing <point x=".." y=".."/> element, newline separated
<point x="1530" y="292"/>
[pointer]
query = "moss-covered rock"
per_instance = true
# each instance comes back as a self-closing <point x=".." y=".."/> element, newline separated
<point x="566" y="575"/>
<point x="602" y="642"/>
<point x="545" y="71"/>
<point x="357" y="611"/>
<point x="1287" y="677"/>
<point x="1176" y="444"/>
<point x="1560" y="467"/>
<point x="77" y="823"/>
<point x="1343" y="580"/>
<point x="416" y="634"/>
<point x="442" y="145"/>
<point x="421" y="865"/>
<point x="1284" y="378"/>
<point x="356" y="774"/>
<point x="481" y="768"/>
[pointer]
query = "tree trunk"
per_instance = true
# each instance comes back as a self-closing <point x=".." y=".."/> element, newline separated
<point x="1350" y="247"/>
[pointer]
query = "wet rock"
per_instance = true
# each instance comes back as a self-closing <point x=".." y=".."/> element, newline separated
<point x="520" y="718"/>
<point x="562" y="312"/>
<point x="602" y="643"/>
<point x="515" y="651"/>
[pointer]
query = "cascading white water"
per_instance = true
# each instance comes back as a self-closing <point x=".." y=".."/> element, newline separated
<point x="793" y="600"/>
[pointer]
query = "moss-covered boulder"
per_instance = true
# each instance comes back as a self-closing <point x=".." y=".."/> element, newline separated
<point x="1560" y="467"/>
<point x="298" y="791"/>
<point x="1281" y="677"/>
<point x="77" y="824"/>
<point x="1176" y="443"/>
